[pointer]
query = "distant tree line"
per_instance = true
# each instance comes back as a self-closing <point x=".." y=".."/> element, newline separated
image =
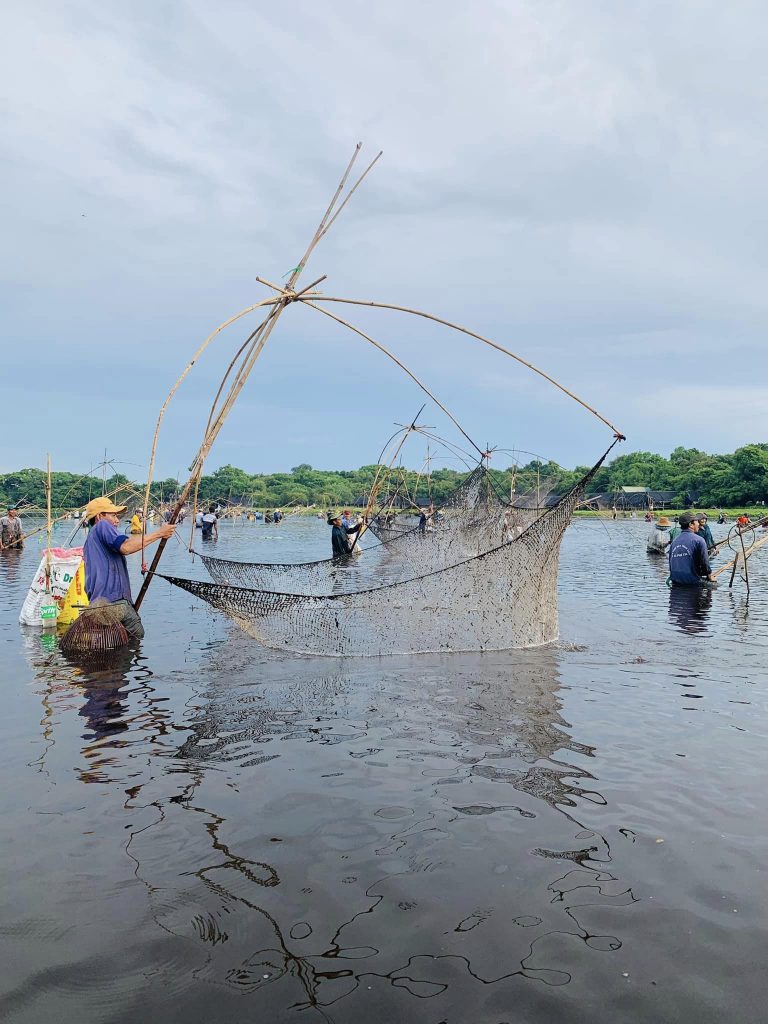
<point x="711" y="480"/>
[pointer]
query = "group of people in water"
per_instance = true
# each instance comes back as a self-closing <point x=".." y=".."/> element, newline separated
<point x="689" y="545"/>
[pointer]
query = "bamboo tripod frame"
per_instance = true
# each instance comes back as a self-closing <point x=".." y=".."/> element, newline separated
<point x="245" y="358"/>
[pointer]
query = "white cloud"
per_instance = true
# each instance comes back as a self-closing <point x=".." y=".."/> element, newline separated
<point x="584" y="183"/>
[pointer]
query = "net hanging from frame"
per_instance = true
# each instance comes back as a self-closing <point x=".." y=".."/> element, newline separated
<point x="484" y="577"/>
<point x="502" y="598"/>
<point x="471" y="521"/>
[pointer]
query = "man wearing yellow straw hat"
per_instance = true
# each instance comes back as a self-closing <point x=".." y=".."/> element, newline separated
<point x="659" y="537"/>
<point x="106" y="571"/>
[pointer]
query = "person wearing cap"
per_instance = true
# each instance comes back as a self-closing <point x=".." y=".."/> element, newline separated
<point x="11" y="532"/>
<point x="688" y="559"/>
<point x="106" y="571"/>
<point x="341" y="544"/>
<point x="659" y="539"/>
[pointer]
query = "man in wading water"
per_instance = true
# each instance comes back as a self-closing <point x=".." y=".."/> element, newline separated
<point x="688" y="559"/>
<point x="106" y="571"/>
<point x="659" y="538"/>
<point x="705" y="533"/>
<point x="341" y="544"/>
<point x="211" y="524"/>
<point x="11" y="532"/>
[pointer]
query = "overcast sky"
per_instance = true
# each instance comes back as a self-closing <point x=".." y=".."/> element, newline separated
<point x="583" y="181"/>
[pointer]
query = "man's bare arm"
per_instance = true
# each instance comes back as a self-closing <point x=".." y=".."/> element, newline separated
<point x="132" y="544"/>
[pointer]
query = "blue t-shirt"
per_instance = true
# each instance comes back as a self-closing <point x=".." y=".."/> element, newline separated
<point x="688" y="561"/>
<point x="106" y="572"/>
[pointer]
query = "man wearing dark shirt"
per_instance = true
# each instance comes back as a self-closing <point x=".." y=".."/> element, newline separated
<point x="688" y="559"/>
<point x="211" y="524"/>
<point x="340" y="536"/>
<point x="104" y="551"/>
<point x="704" y="532"/>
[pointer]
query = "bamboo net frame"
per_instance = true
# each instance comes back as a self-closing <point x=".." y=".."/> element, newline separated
<point x="245" y="358"/>
<point x="742" y="555"/>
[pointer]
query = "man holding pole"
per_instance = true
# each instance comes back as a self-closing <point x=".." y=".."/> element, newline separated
<point x="11" y="533"/>
<point x="106" y="571"/>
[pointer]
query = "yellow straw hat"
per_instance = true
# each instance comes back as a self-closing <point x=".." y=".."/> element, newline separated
<point x="99" y="505"/>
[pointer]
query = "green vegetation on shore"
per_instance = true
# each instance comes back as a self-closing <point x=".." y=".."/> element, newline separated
<point x="712" y="481"/>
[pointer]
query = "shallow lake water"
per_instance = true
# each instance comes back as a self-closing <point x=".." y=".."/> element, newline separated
<point x="206" y="831"/>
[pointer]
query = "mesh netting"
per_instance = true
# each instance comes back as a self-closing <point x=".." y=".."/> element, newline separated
<point x="473" y="519"/>
<point x="503" y="597"/>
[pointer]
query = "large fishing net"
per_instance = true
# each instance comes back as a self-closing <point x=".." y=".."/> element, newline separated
<point x="486" y="581"/>
<point x="480" y="575"/>
<point x="471" y="520"/>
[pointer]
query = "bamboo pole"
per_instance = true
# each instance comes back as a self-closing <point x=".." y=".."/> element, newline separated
<point x="252" y="353"/>
<point x="745" y="555"/>
<point x="478" y="337"/>
<point x="352" y="192"/>
<point x="49" y="528"/>
<point x="225" y="378"/>
<point x="403" y="367"/>
<point x="174" y="389"/>
<point x="375" y="485"/>
<point x="321" y="227"/>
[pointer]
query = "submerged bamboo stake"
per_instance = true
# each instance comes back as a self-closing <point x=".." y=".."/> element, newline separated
<point x="479" y="337"/>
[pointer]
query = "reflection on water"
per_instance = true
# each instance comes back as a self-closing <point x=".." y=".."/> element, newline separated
<point x="304" y="825"/>
<point x="201" y="830"/>
<point x="378" y="792"/>
<point x="10" y="565"/>
<point x="689" y="608"/>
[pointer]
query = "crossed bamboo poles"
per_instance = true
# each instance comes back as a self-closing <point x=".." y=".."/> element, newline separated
<point x="245" y="358"/>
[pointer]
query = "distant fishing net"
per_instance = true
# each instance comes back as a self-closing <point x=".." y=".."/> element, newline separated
<point x="500" y="598"/>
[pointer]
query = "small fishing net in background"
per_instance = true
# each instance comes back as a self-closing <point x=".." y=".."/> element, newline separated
<point x="97" y="629"/>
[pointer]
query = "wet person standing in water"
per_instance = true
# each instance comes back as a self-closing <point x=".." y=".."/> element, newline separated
<point x="11" y="532"/>
<point x="341" y="544"/>
<point x="211" y="524"/>
<point x="688" y="558"/>
<point x="104" y="551"/>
